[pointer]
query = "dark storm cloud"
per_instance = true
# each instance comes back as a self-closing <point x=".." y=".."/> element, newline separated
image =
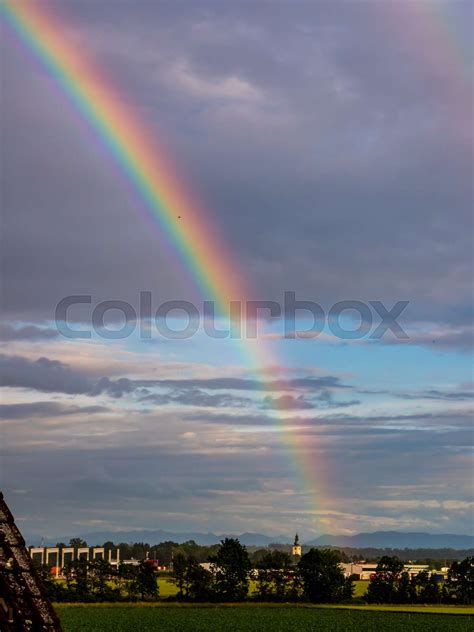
<point x="358" y="161"/>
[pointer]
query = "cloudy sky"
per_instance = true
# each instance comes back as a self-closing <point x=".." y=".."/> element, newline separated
<point x="331" y="144"/>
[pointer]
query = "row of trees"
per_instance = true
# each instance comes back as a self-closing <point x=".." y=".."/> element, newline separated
<point x="391" y="585"/>
<point x="165" y="551"/>
<point x="316" y="577"/>
<point x="97" y="580"/>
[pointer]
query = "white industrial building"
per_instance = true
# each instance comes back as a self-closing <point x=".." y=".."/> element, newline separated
<point x="57" y="557"/>
<point x="365" y="570"/>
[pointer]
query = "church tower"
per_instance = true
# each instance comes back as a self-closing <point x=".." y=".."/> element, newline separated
<point x="296" y="550"/>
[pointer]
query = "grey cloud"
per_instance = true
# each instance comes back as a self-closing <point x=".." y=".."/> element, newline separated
<point x="123" y="478"/>
<point x="337" y="155"/>
<point x="196" y="397"/>
<point x="438" y="394"/>
<point x="422" y="421"/>
<point x="46" y="409"/>
<point x="48" y="375"/>
<point x="309" y="383"/>
<point x="336" y="162"/>
<point x="31" y="333"/>
<point x="52" y="376"/>
<point x="289" y="402"/>
<point x="462" y="393"/>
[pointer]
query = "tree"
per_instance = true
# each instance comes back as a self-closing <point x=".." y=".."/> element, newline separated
<point x="78" y="581"/>
<point x="231" y="566"/>
<point x="108" y="545"/>
<point x="77" y="543"/>
<point x="145" y="581"/>
<point x="257" y="556"/>
<point x="179" y="572"/>
<point x="56" y="591"/>
<point x="199" y="581"/>
<point x="383" y="587"/>
<point x="127" y="574"/>
<point x="193" y="581"/>
<point x="427" y="588"/>
<point x="405" y="589"/>
<point x="274" y="575"/>
<point x="322" y="577"/>
<point x="460" y="583"/>
<point x="101" y="574"/>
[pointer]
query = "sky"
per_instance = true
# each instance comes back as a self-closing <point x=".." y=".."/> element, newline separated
<point x="330" y="144"/>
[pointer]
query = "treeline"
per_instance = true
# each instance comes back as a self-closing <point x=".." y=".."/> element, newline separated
<point x="391" y="585"/>
<point x="163" y="552"/>
<point x="97" y="580"/>
<point x="315" y="577"/>
<point x="435" y="558"/>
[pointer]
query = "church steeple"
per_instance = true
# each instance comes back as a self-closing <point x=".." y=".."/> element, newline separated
<point x="296" y="549"/>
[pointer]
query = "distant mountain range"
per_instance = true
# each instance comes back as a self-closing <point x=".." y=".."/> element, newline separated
<point x="157" y="536"/>
<point x="377" y="539"/>
<point x="396" y="540"/>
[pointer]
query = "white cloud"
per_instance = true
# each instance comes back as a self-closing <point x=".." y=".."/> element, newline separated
<point x="228" y="88"/>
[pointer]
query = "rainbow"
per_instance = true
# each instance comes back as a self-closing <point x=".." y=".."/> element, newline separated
<point x="440" y="45"/>
<point x="161" y="192"/>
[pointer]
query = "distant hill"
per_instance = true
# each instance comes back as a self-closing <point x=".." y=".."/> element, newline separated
<point x="155" y="537"/>
<point x="376" y="540"/>
<point x="396" y="540"/>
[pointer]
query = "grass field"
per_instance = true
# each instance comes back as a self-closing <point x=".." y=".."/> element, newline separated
<point x="168" y="588"/>
<point x="252" y="618"/>
<point x="361" y="587"/>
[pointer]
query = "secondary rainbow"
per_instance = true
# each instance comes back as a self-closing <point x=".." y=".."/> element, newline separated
<point x="162" y="193"/>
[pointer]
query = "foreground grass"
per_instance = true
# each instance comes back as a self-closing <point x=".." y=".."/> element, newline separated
<point x="256" y="618"/>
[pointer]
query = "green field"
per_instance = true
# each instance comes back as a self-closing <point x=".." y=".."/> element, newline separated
<point x="361" y="587"/>
<point x="168" y="588"/>
<point x="251" y="618"/>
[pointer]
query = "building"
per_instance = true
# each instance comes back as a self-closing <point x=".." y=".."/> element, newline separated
<point x="58" y="557"/>
<point x="365" y="570"/>
<point x="296" y="548"/>
<point x="156" y="566"/>
<point x="414" y="569"/>
<point x="360" y="570"/>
